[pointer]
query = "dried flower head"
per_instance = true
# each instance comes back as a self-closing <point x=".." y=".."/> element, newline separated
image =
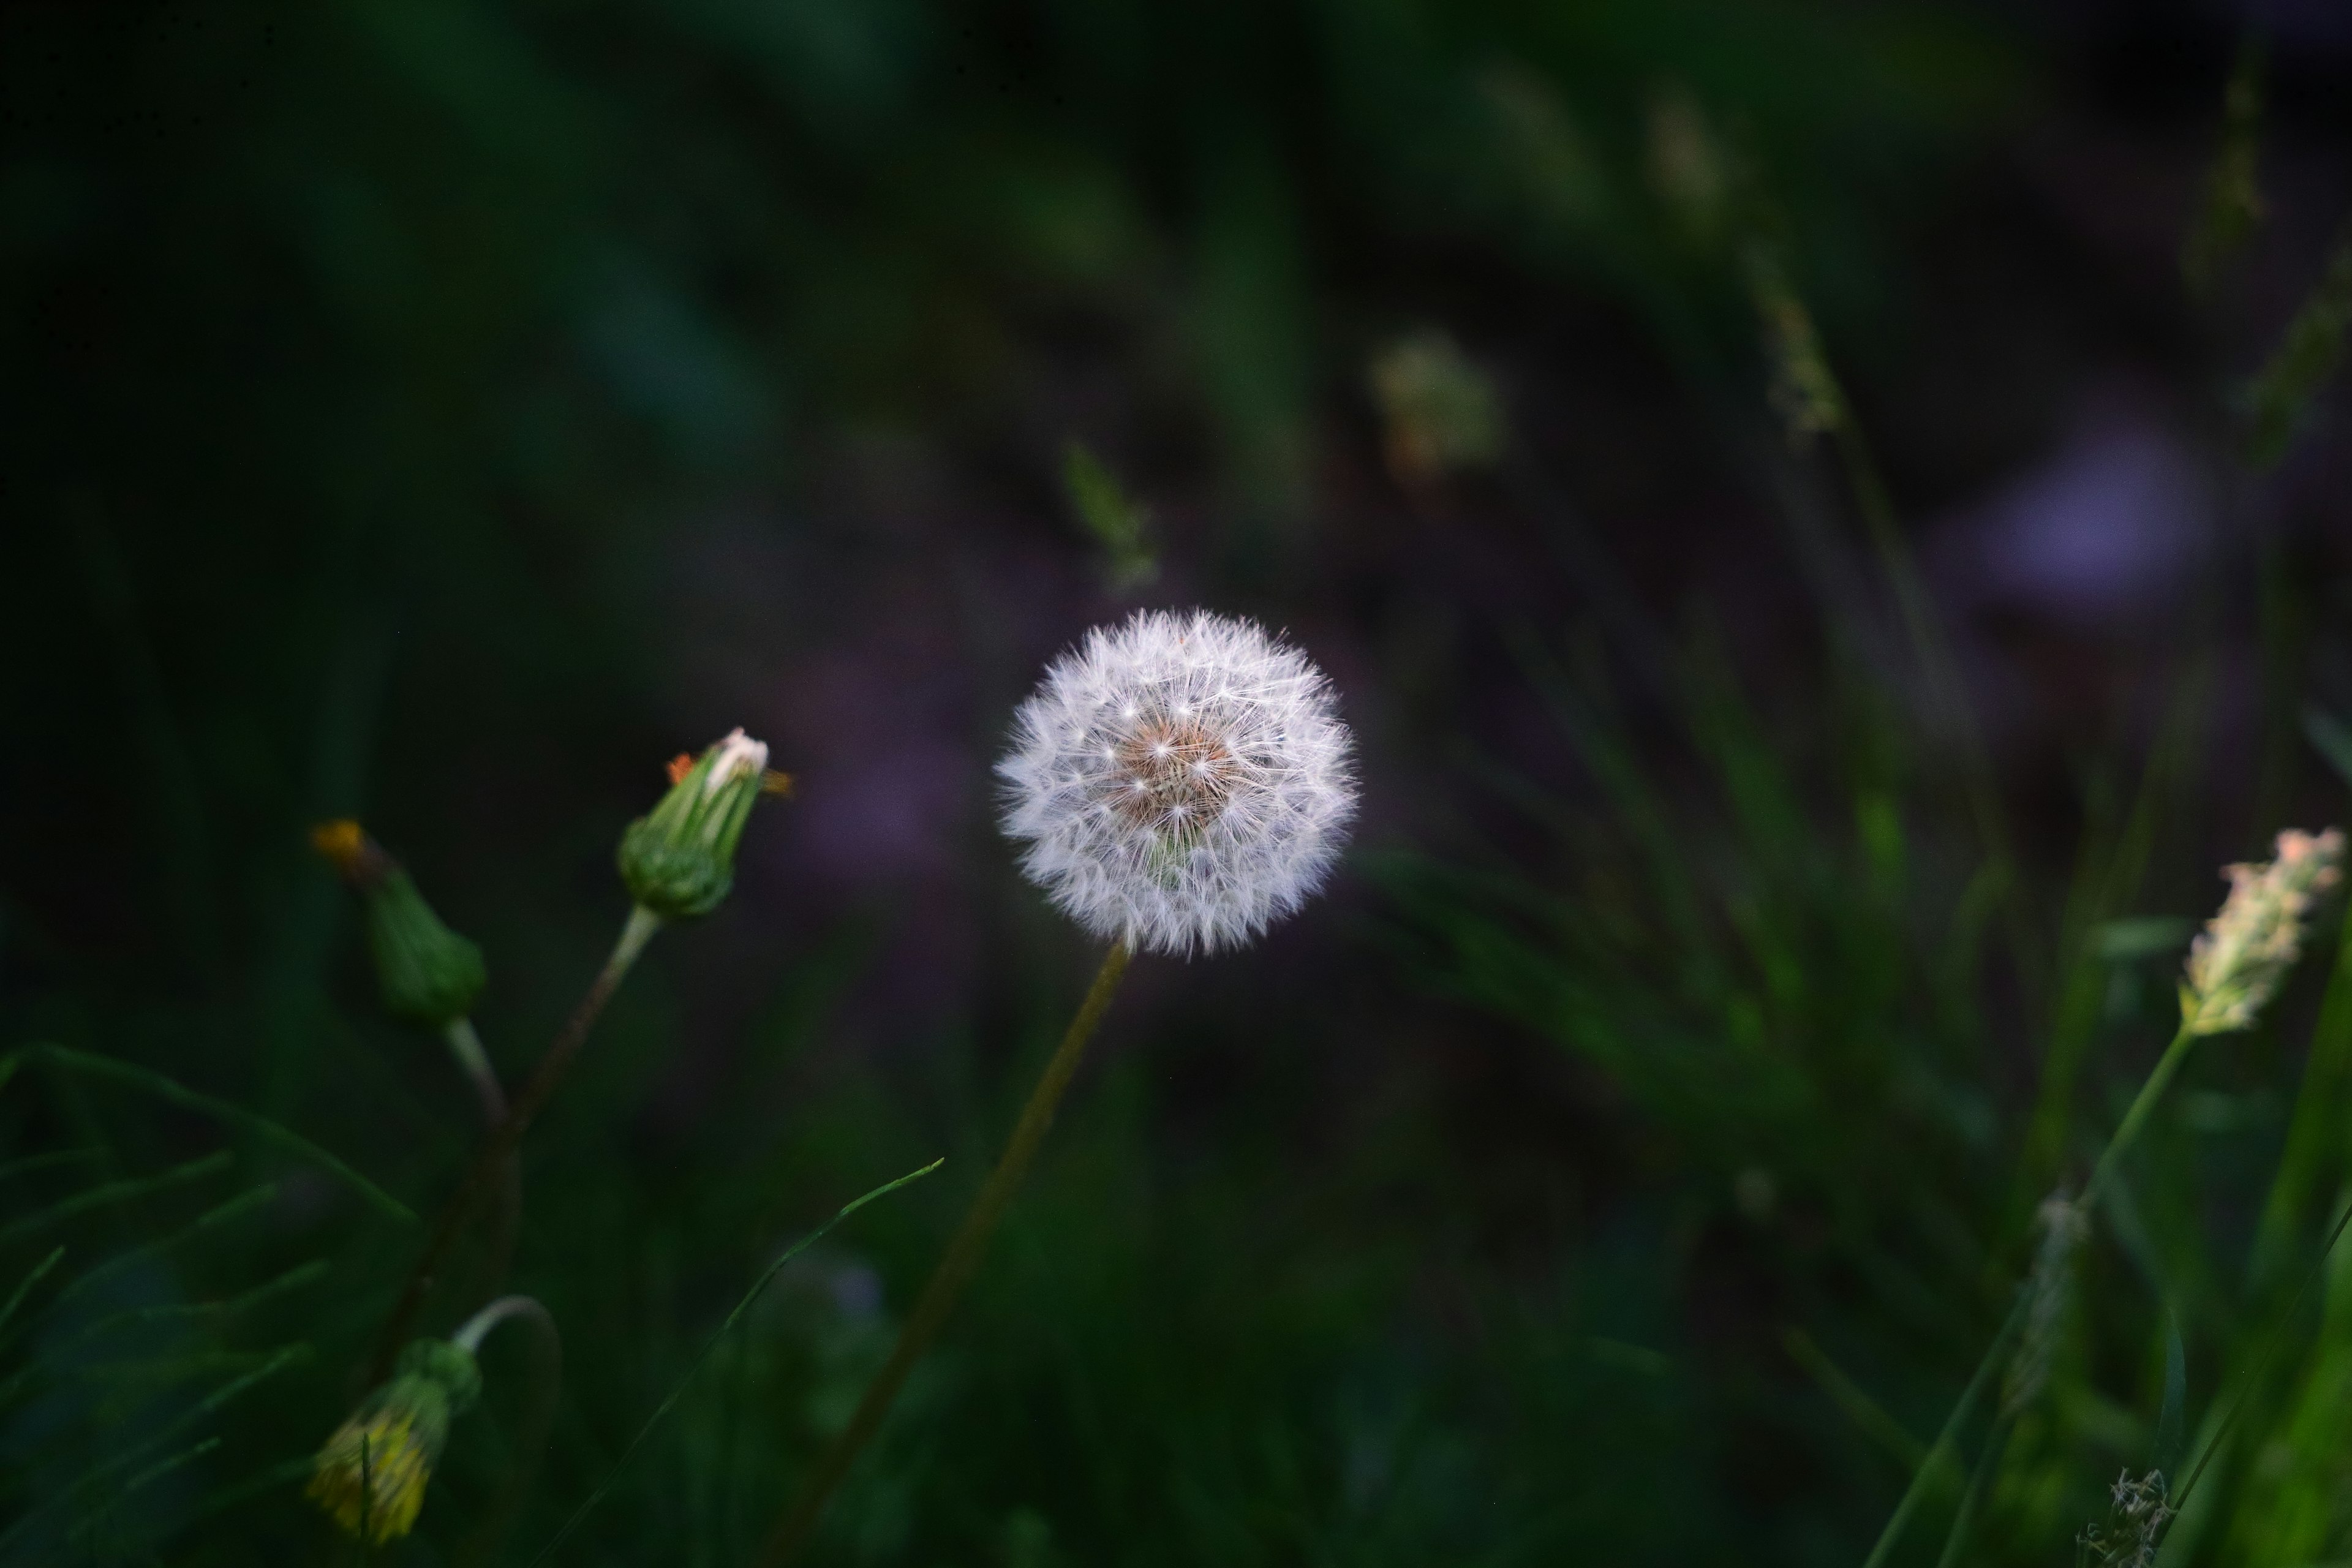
<point x="2135" y="1535"/>
<point x="370" y="1475"/>
<point x="2238" y="961"/>
<point x="2066" y="1226"/>
<point x="1181" y="781"/>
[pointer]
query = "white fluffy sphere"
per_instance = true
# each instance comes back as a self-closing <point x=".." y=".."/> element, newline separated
<point x="1180" y="782"/>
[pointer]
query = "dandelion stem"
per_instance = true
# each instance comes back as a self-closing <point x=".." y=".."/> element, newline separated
<point x="466" y="1046"/>
<point x="506" y="1216"/>
<point x="498" y="1148"/>
<point x="538" y="1414"/>
<point x="956" y="1268"/>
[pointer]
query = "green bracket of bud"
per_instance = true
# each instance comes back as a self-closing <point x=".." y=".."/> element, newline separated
<point x="678" y="859"/>
<point x="429" y="975"/>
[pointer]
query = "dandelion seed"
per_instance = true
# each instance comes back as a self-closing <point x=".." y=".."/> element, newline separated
<point x="1181" y="781"/>
<point x="2237" y="962"/>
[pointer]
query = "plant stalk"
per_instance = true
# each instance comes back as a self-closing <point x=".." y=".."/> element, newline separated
<point x="956" y="1268"/>
<point x="498" y="1148"/>
<point x="2126" y="1132"/>
<point x="465" y="1045"/>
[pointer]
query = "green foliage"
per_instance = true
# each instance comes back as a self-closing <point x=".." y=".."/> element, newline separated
<point x="2306" y="359"/>
<point x="1120" y="523"/>
<point x="361" y="357"/>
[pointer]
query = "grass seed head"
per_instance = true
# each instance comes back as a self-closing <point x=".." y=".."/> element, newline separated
<point x="2237" y="962"/>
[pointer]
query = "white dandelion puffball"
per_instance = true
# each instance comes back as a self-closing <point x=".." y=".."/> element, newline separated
<point x="1181" y="781"/>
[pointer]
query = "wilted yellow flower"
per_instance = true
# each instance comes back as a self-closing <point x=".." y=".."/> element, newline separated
<point x="2236" y="964"/>
<point x="370" y="1475"/>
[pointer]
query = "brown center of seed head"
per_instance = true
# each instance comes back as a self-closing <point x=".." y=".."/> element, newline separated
<point x="1172" y="775"/>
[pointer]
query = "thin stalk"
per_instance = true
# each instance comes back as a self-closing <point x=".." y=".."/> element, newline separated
<point x="710" y="1344"/>
<point x="1944" y="684"/>
<point x="956" y="1268"/>
<point x="505" y="1137"/>
<point x="2262" y="1363"/>
<point x="539" y="1415"/>
<point x="2135" y="1115"/>
<point x="2126" y="1132"/>
<point x="1955" y="1539"/>
<point x="505" y="1212"/>
<point x="1947" y="1444"/>
<point x="466" y="1046"/>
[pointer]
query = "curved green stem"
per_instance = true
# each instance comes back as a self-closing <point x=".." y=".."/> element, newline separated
<point x="465" y="1045"/>
<point x="956" y="1268"/>
<point x="538" y="1414"/>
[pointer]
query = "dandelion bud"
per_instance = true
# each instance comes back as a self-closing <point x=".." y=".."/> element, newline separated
<point x="428" y="973"/>
<point x="2236" y="964"/>
<point x="678" y="859"/>
<point x="1180" y="782"/>
<point x="370" y="1475"/>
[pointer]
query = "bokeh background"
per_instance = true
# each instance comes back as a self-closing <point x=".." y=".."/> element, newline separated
<point x="442" y="412"/>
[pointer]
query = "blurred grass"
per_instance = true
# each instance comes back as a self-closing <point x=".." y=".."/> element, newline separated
<point x="361" y="359"/>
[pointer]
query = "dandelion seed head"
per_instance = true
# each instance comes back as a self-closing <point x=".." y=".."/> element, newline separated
<point x="1180" y="782"/>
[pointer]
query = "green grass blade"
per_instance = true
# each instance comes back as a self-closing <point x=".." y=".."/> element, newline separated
<point x="25" y="1287"/>
<point x="294" y="1279"/>
<point x="211" y="1219"/>
<point x="253" y="1486"/>
<point x="710" y="1344"/>
<point x="235" y="1116"/>
<point x="2332" y="739"/>
<point x="118" y="1191"/>
<point x="32" y="1163"/>
<point x="284" y="1357"/>
<point x="2176" y="1395"/>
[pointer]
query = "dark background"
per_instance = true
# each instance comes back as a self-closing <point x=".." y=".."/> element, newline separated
<point x="442" y="412"/>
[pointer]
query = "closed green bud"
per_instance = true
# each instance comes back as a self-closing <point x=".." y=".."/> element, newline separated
<point x="429" y="975"/>
<point x="678" y="859"/>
